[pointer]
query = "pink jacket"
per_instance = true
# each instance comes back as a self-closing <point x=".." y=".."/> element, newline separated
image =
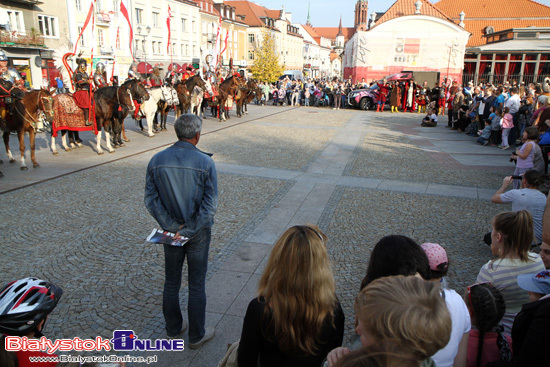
<point x="507" y="121"/>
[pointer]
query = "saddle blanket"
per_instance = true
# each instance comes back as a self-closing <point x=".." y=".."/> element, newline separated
<point x="68" y="116"/>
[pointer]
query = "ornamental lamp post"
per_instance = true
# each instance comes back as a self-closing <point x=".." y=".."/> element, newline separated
<point x="144" y="35"/>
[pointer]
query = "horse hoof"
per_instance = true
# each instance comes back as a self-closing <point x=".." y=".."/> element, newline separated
<point x="55" y="153"/>
<point x="24" y="168"/>
<point x="127" y="140"/>
<point x="122" y="145"/>
<point x="12" y="160"/>
<point x="79" y="145"/>
<point x="100" y="152"/>
<point x="68" y="149"/>
<point x="111" y="151"/>
<point x="151" y="135"/>
<point x="1" y="161"/>
<point x="35" y="165"/>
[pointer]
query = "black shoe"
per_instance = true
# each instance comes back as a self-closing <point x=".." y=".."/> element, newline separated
<point x="88" y="123"/>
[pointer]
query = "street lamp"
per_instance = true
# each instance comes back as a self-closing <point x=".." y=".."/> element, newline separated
<point x="144" y="35"/>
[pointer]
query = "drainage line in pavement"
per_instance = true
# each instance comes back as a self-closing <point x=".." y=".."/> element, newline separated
<point x="133" y="155"/>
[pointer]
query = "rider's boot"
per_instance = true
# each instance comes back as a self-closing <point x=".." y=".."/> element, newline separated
<point x="382" y="109"/>
<point x="87" y="117"/>
<point x="378" y="108"/>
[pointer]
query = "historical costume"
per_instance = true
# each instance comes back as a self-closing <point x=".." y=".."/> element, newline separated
<point x="409" y="98"/>
<point x="12" y="76"/>
<point x="188" y="74"/>
<point x="100" y="76"/>
<point x="383" y="95"/>
<point x="155" y="80"/>
<point x="395" y="96"/>
<point x="82" y="89"/>
<point x="133" y="74"/>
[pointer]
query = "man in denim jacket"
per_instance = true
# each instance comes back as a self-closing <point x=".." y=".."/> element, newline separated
<point x="181" y="193"/>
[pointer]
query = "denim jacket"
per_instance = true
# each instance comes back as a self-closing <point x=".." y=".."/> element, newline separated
<point x="181" y="188"/>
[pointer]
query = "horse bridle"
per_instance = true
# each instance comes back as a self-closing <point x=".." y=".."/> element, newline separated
<point x="118" y="97"/>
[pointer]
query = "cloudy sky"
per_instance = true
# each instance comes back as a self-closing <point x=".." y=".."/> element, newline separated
<point x="326" y="13"/>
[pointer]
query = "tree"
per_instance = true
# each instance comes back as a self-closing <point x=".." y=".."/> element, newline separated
<point x="266" y="67"/>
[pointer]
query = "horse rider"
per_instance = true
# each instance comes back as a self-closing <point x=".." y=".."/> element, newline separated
<point x="188" y="74"/>
<point x="100" y="76"/>
<point x="156" y="80"/>
<point x="11" y="75"/>
<point x="82" y="89"/>
<point x="134" y="74"/>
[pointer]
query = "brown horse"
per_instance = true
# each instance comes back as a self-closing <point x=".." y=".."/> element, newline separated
<point x="245" y="95"/>
<point x="112" y="105"/>
<point x="227" y="89"/>
<point x="25" y="118"/>
<point x="184" y="96"/>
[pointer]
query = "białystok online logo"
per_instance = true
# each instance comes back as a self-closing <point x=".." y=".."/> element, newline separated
<point x="123" y="340"/>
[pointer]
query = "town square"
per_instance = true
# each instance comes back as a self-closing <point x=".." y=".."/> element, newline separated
<point x="341" y="139"/>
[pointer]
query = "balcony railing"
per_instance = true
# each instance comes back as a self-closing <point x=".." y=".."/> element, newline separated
<point x="8" y="39"/>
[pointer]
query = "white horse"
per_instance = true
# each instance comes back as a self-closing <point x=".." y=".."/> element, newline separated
<point x="197" y="96"/>
<point x="149" y="107"/>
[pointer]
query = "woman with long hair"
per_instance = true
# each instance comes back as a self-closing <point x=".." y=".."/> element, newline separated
<point x="511" y="240"/>
<point x="296" y="318"/>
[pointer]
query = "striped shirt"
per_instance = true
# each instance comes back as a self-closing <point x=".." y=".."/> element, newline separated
<point x="503" y="274"/>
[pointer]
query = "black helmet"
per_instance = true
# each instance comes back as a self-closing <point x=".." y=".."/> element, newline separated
<point x="81" y="62"/>
<point x="25" y="303"/>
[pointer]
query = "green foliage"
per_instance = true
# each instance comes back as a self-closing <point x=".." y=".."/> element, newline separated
<point x="266" y="67"/>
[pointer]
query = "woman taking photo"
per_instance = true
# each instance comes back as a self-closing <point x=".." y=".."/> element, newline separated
<point x="511" y="237"/>
<point x="296" y="318"/>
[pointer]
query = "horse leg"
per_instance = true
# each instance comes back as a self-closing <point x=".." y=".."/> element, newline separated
<point x="32" y="137"/>
<point x="7" y="145"/>
<point x="77" y="140"/>
<point x="124" y="132"/>
<point x="21" y="136"/>
<point x="98" y="139"/>
<point x="150" y="118"/>
<point x="245" y="106"/>
<point x="54" y="147"/>
<point x="64" y="134"/>
<point x="106" y="127"/>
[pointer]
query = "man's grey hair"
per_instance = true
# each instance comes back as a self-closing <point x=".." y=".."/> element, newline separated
<point x="187" y="126"/>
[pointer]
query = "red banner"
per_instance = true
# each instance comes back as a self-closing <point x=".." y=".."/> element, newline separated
<point x="88" y="17"/>
<point x="124" y="12"/>
<point x="169" y="31"/>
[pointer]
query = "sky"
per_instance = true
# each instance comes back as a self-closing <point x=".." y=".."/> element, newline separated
<point x="326" y="13"/>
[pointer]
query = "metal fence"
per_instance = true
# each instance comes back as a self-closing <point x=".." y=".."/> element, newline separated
<point x="497" y="79"/>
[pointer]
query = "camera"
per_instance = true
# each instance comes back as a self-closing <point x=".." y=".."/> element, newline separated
<point x="514" y="177"/>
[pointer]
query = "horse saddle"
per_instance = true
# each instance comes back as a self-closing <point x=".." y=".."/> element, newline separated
<point x="170" y="95"/>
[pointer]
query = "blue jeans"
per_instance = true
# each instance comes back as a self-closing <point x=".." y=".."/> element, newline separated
<point x="197" y="263"/>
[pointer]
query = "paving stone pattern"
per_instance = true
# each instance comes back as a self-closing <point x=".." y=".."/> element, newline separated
<point x="358" y="175"/>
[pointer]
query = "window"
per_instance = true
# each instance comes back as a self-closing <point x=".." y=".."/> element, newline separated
<point x="100" y="38"/>
<point x="82" y="42"/>
<point x="194" y="50"/>
<point x="48" y="26"/>
<point x="251" y="38"/>
<point x="139" y="16"/>
<point x="16" y="21"/>
<point x="250" y="55"/>
<point x="183" y="24"/>
<point x="160" y="47"/>
<point x="154" y="46"/>
<point x="155" y="19"/>
<point x="98" y="6"/>
<point x="194" y="26"/>
<point x="183" y="50"/>
<point x="174" y="50"/>
<point x="186" y="50"/>
<point x="78" y="5"/>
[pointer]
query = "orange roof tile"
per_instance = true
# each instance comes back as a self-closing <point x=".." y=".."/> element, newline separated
<point x="477" y="27"/>
<point x="500" y="14"/>
<point x="494" y="8"/>
<point x="309" y="29"/>
<point x="333" y="55"/>
<point x="253" y="12"/>
<point x="331" y="32"/>
<point x="402" y="8"/>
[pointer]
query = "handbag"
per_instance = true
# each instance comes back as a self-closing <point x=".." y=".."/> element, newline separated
<point x="230" y="357"/>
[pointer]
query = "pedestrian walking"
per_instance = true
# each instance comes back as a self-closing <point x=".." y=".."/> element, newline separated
<point x="181" y="193"/>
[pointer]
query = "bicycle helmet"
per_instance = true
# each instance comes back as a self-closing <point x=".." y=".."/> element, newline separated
<point x="25" y="303"/>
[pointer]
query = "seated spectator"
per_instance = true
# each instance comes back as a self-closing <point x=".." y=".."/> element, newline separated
<point x="430" y="120"/>
<point x="511" y="237"/>
<point x="485" y="134"/>
<point x="296" y="318"/>
<point x="487" y="342"/>
<point x="532" y="323"/>
<point x="528" y="198"/>
<point x="24" y="308"/>
<point x="454" y="353"/>
<point x="404" y="315"/>
<point x="463" y="120"/>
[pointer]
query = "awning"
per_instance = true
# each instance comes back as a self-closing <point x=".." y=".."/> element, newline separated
<point x="176" y="67"/>
<point x="144" y="68"/>
<point x="398" y="76"/>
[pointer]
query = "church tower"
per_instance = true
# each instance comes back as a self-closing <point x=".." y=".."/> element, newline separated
<point x="340" y="37"/>
<point x="361" y="15"/>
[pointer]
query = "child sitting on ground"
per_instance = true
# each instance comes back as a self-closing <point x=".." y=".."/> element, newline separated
<point x="487" y="342"/>
<point x="485" y="134"/>
<point x="431" y="119"/>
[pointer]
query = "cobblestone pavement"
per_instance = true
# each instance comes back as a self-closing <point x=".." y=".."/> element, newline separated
<point x="359" y="175"/>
